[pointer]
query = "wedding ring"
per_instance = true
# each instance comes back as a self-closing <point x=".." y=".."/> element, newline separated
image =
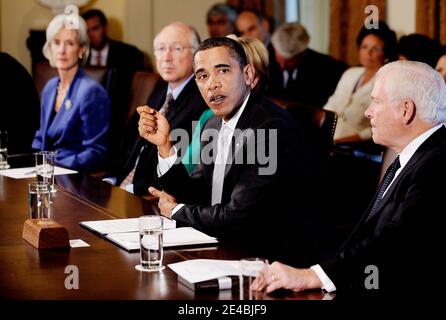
<point x="273" y="278"/>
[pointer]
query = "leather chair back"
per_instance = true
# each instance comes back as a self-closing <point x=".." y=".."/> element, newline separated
<point x="44" y="72"/>
<point x="143" y="83"/>
<point x="319" y="127"/>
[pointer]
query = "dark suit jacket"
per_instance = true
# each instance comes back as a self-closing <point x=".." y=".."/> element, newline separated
<point x="78" y="132"/>
<point x="183" y="111"/>
<point x="123" y="55"/>
<point x="20" y="105"/>
<point x="265" y="212"/>
<point x="123" y="61"/>
<point x="405" y="236"/>
<point x="316" y="80"/>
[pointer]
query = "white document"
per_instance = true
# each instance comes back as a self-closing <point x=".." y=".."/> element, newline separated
<point x="105" y="227"/>
<point x="29" y="172"/>
<point x="171" y="238"/>
<point x="78" y="243"/>
<point x="206" y="269"/>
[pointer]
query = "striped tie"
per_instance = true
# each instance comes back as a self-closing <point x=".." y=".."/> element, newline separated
<point x="390" y="174"/>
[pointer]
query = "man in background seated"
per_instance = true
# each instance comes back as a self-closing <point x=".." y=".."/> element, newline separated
<point x="220" y="19"/>
<point x="305" y="76"/>
<point x="252" y="24"/>
<point x="234" y="194"/>
<point x="396" y="245"/>
<point x="123" y="60"/>
<point x="177" y="97"/>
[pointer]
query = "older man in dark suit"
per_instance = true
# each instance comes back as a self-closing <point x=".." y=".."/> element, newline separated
<point x="235" y="193"/>
<point x="396" y="246"/>
<point x="305" y="76"/>
<point x="177" y="97"/>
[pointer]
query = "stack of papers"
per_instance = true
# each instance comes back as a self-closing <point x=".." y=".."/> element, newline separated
<point x="104" y="227"/>
<point x="186" y="236"/>
<point x="30" y="172"/>
<point x="199" y="270"/>
<point x="125" y="233"/>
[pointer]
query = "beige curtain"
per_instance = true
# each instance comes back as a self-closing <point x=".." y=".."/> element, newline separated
<point x="431" y="19"/>
<point x="346" y="19"/>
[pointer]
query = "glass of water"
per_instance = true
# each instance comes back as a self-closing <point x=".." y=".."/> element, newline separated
<point x="45" y="168"/>
<point x="151" y="243"/>
<point x="39" y="198"/>
<point x="4" y="150"/>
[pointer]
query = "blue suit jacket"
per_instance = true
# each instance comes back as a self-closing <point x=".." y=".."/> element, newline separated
<point x="78" y="132"/>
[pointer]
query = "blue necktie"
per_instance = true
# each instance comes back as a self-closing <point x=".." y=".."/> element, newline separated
<point x="390" y="174"/>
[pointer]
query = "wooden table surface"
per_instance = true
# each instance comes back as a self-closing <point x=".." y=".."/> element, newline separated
<point x="105" y="270"/>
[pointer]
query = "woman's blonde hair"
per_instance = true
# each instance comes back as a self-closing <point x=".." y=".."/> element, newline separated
<point x="64" y="21"/>
<point x="257" y="55"/>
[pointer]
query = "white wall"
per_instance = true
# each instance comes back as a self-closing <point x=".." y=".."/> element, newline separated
<point x="401" y="16"/>
<point x="132" y="21"/>
<point x="314" y="15"/>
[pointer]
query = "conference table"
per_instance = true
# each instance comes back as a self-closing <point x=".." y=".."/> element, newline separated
<point x="106" y="272"/>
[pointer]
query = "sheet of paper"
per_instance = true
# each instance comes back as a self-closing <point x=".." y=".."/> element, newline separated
<point x="121" y="225"/>
<point x="171" y="238"/>
<point x="205" y="269"/>
<point x="78" y="243"/>
<point x="30" y="172"/>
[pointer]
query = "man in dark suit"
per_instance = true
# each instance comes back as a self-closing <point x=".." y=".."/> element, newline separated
<point x="395" y="247"/>
<point x="173" y="47"/>
<point x="234" y="193"/>
<point x="251" y="23"/>
<point x="122" y="61"/>
<point x="305" y="76"/>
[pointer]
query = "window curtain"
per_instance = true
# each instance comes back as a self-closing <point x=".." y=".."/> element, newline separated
<point x="431" y="19"/>
<point x="346" y="19"/>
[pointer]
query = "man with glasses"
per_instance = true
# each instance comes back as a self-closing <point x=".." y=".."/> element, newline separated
<point x="177" y="97"/>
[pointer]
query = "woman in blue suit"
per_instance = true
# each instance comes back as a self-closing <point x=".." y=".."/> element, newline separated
<point x="75" y="109"/>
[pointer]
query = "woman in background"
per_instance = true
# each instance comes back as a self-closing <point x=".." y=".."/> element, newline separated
<point x="75" y="109"/>
<point x="352" y="95"/>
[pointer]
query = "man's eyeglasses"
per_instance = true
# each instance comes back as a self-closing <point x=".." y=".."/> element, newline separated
<point x="176" y="49"/>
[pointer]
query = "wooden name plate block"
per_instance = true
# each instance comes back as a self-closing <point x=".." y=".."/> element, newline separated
<point x="45" y="235"/>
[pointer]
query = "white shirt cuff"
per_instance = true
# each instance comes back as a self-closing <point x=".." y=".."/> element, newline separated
<point x="111" y="180"/>
<point x="177" y="207"/>
<point x="327" y="284"/>
<point x="164" y="164"/>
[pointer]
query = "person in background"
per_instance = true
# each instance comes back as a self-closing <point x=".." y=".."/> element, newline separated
<point x="251" y="23"/>
<point x="305" y="76"/>
<point x="400" y="235"/>
<point x="75" y="109"/>
<point x="352" y="95"/>
<point x="18" y="96"/>
<point x="106" y="52"/>
<point x="441" y="65"/>
<point x="177" y="97"/>
<point x="220" y="20"/>
<point x="122" y="61"/>
<point x="418" y="47"/>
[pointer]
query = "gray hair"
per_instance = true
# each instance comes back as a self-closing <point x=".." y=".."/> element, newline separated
<point x="290" y="39"/>
<point x="419" y="83"/>
<point x="61" y="21"/>
<point x="194" y="37"/>
<point x="222" y="9"/>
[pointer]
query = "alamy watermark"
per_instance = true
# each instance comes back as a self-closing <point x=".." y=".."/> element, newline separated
<point x="250" y="146"/>
<point x="72" y="280"/>
<point x="72" y="17"/>
<point x="372" y="20"/>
